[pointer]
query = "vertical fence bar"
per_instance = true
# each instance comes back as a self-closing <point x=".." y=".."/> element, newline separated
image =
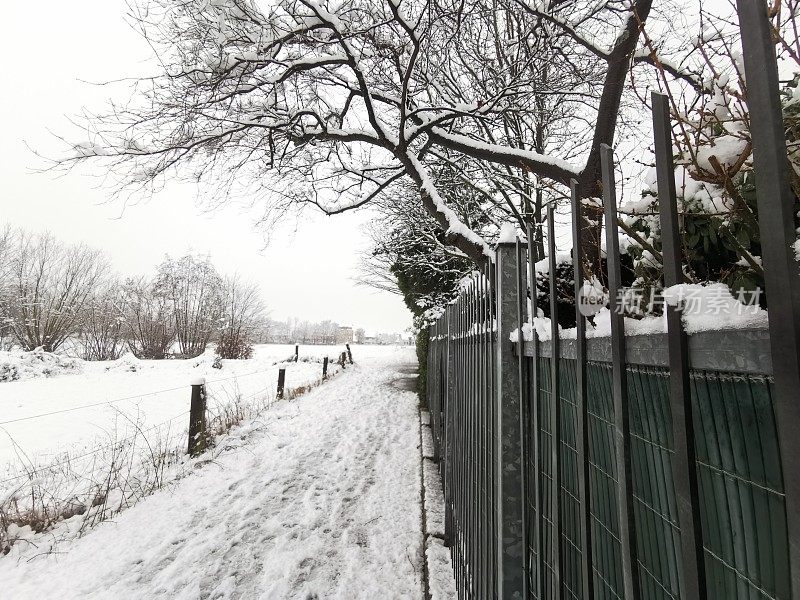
<point x="448" y="431"/>
<point x="508" y="459"/>
<point x="555" y="412"/>
<point x="684" y="470"/>
<point x="619" y="385"/>
<point x="463" y="415"/>
<point x="776" y="223"/>
<point x="493" y="436"/>
<point x="534" y="424"/>
<point x="471" y="500"/>
<point x="481" y="590"/>
<point x="524" y="401"/>
<point x="488" y="557"/>
<point x="581" y="399"/>
<point x="458" y="454"/>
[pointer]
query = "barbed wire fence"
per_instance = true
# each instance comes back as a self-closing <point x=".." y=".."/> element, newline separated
<point x="101" y="481"/>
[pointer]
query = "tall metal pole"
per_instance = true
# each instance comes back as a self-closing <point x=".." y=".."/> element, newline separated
<point x="508" y="456"/>
<point x="555" y="409"/>
<point x="581" y="397"/>
<point x="684" y="465"/>
<point x="619" y="385"/>
<point x="536" y="528"/>
<point x="776" y="223"/>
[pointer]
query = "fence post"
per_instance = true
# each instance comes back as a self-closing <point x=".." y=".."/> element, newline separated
<point x="343" y="360"/>
<point x="619" y="385"/>
<point x="508" y="457"/>
<point x="197" y="417"/>
<point x="296" y="352"/>
<point x="535" y="447"/>
<point x="776" y="223"/>
<point x="325" y="367"/>
<point x="449" y="422"/>
<point x="581" y="398"/>
<point x="281" y="382"/>
<point x="349" y="354"/>
<point x="555" y="409"/>
<point x="685" y="460"/>
<point x="523" y="374"/>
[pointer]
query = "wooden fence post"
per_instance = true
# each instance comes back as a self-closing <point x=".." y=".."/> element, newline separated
<point x="281" y="382"/>
<point x="197" y="417"/>
<point x="509" y="502"/>
<point x="296" y="352"/>
<point x="349" y="354"/>
<point x="325" y="368"/>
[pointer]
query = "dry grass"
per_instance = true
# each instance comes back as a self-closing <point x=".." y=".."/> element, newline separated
<point x="99" y="484"/>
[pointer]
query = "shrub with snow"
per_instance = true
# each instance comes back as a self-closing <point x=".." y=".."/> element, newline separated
<point x="17" y="365"/>
<point x="127" y="362"/>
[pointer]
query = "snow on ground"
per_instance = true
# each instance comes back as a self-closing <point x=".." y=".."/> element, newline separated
<point x="318" y="498"/>
<point x="441" y="582"/>
<point x="143" y="393"/>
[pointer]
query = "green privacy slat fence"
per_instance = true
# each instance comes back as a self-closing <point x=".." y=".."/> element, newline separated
<point x="742" y="503"/>
<point x="654" y="467"/>
<point x="744" y="522"/>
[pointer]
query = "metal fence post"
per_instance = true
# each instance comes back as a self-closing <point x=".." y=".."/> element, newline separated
<point x="534" y="447"/>
<point x="197" y="417"/>
<point x="447" y="463"/>
<point x="581" y="399"/>
<point x="619" y="383"/>
<point x="508" y="457"/>
<point x="776" y="222"/>
<point x="523" y="375"/>
<point x="555" y="410"/>
<point x="684" y="469"/>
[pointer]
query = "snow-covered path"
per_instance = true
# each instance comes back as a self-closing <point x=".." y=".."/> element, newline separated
<point x="319" y="499"/>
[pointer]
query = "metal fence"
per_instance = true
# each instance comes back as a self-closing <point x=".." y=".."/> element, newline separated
<point x="657" y="466"/>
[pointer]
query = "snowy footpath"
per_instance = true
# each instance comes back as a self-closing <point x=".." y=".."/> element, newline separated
<point x="319" y="498"/>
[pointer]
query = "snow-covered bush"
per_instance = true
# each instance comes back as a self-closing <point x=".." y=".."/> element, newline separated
<point x="127" y="363"/>
<point x="36" y="363"/>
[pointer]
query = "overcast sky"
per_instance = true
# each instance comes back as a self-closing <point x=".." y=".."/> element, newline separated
<point x="50" y="49"/>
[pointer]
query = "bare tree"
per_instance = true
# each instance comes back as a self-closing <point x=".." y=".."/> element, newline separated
<point x="195" y="290"/>
<point x="300" y="102"/>
<point x="103" y="327"/>
<point x="49" y="284"/>
<point x="242" y="314"/>
<point x="7" y="249"/>
<point x="150" y="327"/>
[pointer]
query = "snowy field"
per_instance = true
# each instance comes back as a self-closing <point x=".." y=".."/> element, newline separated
<point x="110" y="401"/>
<point x="319" y="499"/>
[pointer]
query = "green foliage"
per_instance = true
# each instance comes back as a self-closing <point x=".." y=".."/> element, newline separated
<point x="422" y="356"/>
<point x="715" y="246"/>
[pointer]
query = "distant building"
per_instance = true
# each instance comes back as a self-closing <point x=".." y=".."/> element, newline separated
<point x="345" y="335"/>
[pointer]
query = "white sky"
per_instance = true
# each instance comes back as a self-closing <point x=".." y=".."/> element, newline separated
<point x="49" y="49"/>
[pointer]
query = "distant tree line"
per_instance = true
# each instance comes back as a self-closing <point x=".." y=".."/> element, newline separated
<point x="296" y="331"/>
<point x="52" y="293"/>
